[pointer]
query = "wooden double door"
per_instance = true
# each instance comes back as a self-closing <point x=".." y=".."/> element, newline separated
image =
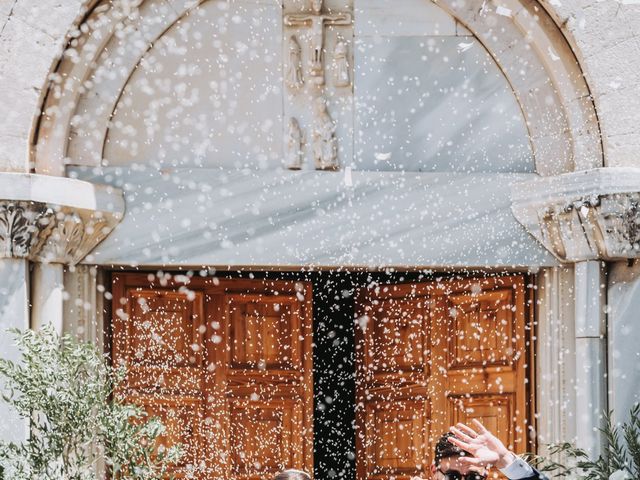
<point x="227" y="366"/>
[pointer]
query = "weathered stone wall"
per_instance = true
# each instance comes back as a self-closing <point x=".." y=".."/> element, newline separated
<point x="605" y="36"/>
<point x="32" y="34"/>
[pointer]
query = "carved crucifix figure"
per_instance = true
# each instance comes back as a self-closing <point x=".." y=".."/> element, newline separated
<point x="316" y="21"/>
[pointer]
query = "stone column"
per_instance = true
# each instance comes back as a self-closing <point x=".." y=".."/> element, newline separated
<point x="571" y="356"/>
<point x="83" y="305"/>
<point x="47" y="294"/>
<point x="591" y="359"/>
<point x="586" y="218"/>
<point x="14" y="313"/>
<point x="556" y="361"/>
<point x="624" y="337"/>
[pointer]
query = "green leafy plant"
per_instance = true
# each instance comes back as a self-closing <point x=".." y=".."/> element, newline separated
<point x="65" y="391"/>
<point x="619" y="460"/>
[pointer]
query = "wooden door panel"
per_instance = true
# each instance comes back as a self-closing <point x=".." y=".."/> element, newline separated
<point x="392" y="338"/>
<point x="269" y="385"/>
<point x="182" y="420"/>
<point x="398" y="337"/>
<point x="472" y="316"/>
<point x="264" y="333"/>
<point x="159" y="335"/>
<point x="484" y="368"/>
<point x="397" y="434"/>
<point x="496" y="412"/>
<point x="166" y="330"/>
<point x="165" y="381"/>
<point x="265" y="437"/>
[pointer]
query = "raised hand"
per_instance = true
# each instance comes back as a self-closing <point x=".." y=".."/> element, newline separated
<point x="486" y="448"/>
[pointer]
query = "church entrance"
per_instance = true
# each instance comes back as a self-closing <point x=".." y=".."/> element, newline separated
<point x="351" y="375"/>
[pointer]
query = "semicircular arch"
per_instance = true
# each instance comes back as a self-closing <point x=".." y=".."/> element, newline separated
<point x="108" y="44"/>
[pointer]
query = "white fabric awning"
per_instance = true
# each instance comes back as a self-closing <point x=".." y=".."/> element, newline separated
<point x="212" y="217"/>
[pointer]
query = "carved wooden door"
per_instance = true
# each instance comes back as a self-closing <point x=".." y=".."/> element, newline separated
<point x="430" y="355"/>
<point x="268" y="385"/>
<point x="226" y="365"/>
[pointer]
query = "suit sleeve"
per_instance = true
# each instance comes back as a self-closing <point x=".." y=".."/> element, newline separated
<point x="521" y="470"/>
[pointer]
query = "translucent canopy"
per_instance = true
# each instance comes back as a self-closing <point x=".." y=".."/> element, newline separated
<point x="427" y="103"/>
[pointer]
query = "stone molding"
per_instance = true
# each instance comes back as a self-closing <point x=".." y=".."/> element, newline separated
<point x="587" y="215"/>
<point x="54" y="219"/>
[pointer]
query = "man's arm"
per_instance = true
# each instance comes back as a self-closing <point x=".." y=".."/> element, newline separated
<point x="518" y="469"/>
<point x="488" y="451"/>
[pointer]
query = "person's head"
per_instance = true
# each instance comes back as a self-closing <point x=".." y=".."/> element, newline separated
<point x="448" y="466"/>
<point x="292" y="474"/>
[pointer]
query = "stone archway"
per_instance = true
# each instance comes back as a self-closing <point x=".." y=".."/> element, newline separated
<point x="522" y="38"/>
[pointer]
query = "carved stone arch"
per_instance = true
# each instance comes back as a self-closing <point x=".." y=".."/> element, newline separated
<point x="110" y="40"/>
<point x="113" y="37"/>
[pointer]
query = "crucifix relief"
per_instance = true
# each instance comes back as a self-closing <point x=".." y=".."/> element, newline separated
<point x="317" y="46"/>
<point x="316" y="21"/>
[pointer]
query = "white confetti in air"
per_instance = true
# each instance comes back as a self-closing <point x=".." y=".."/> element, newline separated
<point x="553" y="55"/>
<point x="463" y="47"/>
<point x="348" y="180"/>
<point x="363" y="321"/>
<point x="504" y="11"/>
<point x="383" y="156"/>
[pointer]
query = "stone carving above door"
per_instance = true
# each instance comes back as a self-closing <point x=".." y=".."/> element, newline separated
<point x="318" y="44"/>
<point x="316" y="22"/>
<point x="294" y="145"/>
<point x="295" y="77"/>
<point x="324" y="141"/>
<point x="341" y="65"/>
<point x="588" y="215"/>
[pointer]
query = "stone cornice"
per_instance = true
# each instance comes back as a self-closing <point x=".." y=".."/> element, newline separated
<point x="54" y="219"/>
<point x="587" y="215"/>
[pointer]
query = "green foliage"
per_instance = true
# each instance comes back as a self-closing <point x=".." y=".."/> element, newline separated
<point x="64" y="389"/>
<point x="620" y="460"/>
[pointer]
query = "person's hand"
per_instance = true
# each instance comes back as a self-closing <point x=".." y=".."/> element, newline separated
<point x="486" y="448"/>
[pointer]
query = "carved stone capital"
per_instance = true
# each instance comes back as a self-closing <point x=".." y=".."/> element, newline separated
<point x="54" y="219"/>
<point x="588" y="215"/>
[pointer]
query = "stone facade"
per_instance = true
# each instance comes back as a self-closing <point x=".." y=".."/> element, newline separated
<point x="580" y="227"/>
